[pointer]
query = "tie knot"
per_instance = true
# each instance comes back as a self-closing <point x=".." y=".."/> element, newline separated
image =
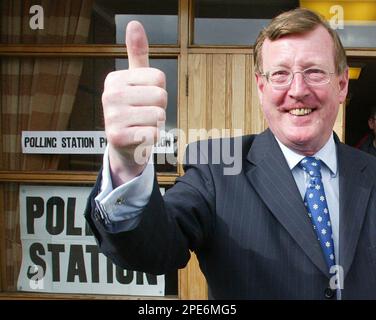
<point x="312" y="166"/>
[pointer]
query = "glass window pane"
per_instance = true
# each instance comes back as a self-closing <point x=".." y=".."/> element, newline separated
<point x="358" y="36"/>
<point x="51" y="21"/>
<point x="86" y="21"/>
<point x="234" y="22"/>
<point x="62" y="94"/>
<point x="159" y="18"/>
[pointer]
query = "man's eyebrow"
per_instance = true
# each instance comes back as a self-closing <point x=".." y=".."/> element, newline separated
<point x="282" y="65"/>
<point x="304" y="65"/>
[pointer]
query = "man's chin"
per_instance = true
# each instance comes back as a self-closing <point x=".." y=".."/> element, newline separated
<point x="301" y="136"/>
<point x="303" y="143"/>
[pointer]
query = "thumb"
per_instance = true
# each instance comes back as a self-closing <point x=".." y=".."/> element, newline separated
<point x="137" y="45"/>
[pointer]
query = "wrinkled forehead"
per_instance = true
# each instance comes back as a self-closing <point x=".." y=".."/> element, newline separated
<point x="312" y="47"/>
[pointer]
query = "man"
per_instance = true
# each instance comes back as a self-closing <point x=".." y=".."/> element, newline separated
<point x="270" y="231"/>
<point x="369" y="144"/>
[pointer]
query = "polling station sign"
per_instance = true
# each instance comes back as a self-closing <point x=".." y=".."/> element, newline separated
<point x="59" y="252"/>
<point x="79" y="142"/>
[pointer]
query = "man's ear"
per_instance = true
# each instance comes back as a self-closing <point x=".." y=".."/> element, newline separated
<point x="260" y="86"/>
<point x="343" y="85"/>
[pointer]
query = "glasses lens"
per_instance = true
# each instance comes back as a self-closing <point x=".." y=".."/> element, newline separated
<point x="316" y="76"/>
<point x="280" y="77"/>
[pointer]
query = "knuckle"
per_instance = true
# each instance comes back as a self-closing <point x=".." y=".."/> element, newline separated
<point x="155" y="133"/>
<point x="161" y="114"/>
<point x="111" y="115"/>
<point x="114" y="137"/>
<point x="104" y="98"/>
<point x="159" y="78"/>
<point x="110" y="97"/>
<point x="107" y="99"/>
<point x="109" y="79"/>
<point x="116" y="79"/>
<point x="162" y="97"/>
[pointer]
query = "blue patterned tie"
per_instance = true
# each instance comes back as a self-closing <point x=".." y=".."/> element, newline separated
<point x="317" y="207"/>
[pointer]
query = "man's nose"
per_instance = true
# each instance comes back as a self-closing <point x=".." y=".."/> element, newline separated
<point x="298" y="88"/>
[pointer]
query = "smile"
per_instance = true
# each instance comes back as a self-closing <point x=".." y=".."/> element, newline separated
<point x="300" y="111"/>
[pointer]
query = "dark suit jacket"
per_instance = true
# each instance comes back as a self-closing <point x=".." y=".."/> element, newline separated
<point x="250" y="231"/>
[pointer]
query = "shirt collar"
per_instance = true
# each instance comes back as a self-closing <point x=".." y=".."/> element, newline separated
<point x="327" y="154"/>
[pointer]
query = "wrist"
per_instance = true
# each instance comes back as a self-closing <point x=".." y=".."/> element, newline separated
<point x="124" y="167"/>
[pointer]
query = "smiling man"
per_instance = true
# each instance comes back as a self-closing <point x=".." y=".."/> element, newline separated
<point x="298" y="221"/>
<point x="304" y="84"/>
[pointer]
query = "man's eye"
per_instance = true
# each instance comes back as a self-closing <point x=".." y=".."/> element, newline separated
<point x="280" y="73"/>
<point x="314" y="71"/>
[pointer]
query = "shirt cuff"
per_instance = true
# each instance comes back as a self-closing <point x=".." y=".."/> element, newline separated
<point x="127" y="201"/>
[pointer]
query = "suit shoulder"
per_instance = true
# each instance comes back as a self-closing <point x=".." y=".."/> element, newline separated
<point x="216" y="147"/>
<point x="358" y="156"/>
<point x="245" y="141"/>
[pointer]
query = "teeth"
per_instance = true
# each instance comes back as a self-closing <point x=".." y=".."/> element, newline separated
<point x="300" y="112"/>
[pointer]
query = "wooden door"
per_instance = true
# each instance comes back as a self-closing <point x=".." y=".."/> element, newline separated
<point x="221" y="95"/>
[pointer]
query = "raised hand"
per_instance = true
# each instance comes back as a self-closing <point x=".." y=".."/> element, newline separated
<point x="134" y="103"/>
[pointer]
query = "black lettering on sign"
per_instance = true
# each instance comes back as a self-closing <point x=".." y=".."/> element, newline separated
<point x="151" y="279"/>
<point x="34" y="210"/>
<point x="94" y="252"/>
<point x="76" y="264"/>
<point x="36" y="249"/>
<point x="110" y="271"/>
<point x="55" y="212"/>
<point x="55" y="250"/>
<point x="124" y="276"/>
<point x="26" y="141"/>
<point x="72" y="230"/>
<point x="102" y="142"/>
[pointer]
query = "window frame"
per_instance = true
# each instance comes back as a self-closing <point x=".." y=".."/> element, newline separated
<point x="57" y="177"/>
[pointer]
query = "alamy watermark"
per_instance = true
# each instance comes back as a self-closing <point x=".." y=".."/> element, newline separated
<point x="219" y="149"/>
<point x="337" y="21"/>
<point x="336" y="281"/>
<point x="37" y="20"/>
<point x="36" y="277"/>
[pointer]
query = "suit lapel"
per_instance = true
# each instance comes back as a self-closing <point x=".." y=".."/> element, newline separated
<point x="354" y="192"/>
<point x="275" y="184"/>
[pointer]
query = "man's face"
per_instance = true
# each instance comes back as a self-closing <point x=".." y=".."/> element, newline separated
<point x="305" y="134"/>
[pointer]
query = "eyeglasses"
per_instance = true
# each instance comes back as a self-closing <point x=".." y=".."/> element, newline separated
<point x="280" y="78"/>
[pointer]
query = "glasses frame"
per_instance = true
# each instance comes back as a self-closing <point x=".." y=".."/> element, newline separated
<point x="267" y="77"/>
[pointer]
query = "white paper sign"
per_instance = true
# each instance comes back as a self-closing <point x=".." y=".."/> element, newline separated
<point x="59" y="253"/>
<point x="79" y="142"/>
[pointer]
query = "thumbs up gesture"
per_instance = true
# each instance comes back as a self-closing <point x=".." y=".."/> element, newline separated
<point x="134" y="103"/>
